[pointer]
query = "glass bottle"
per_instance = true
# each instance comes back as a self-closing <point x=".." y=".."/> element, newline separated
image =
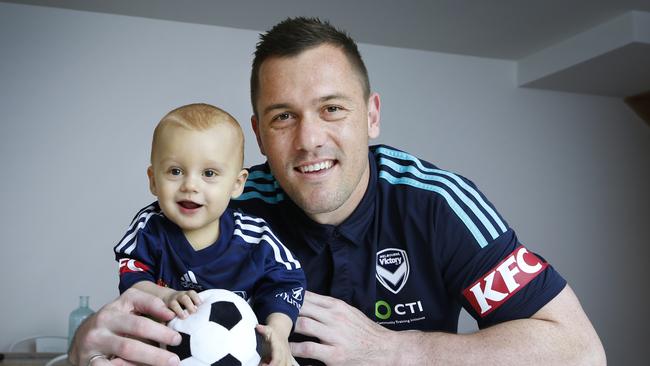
<point x="77" y="316"/>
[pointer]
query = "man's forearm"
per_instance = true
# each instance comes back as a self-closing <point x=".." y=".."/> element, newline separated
<point x="559" y="334"/>
<point x="513" y="343"/>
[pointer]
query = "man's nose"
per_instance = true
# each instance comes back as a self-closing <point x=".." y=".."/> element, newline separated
<point x="310" y="133"/>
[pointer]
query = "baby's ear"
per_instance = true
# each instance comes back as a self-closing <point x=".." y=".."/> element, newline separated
<point x="240" y="182"/>
<point x="152" y="180"/>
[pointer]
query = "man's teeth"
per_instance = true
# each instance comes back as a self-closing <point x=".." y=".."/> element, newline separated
<point x="316" y="167"/>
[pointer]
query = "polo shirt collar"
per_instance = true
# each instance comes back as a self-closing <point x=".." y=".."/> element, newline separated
<point x="354" y="228"/>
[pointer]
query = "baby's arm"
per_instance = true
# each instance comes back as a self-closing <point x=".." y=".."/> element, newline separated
<point x="182" y="303"/>
<point x="276" y="333"/>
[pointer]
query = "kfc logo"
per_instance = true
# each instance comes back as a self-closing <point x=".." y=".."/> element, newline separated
<point x="504" y="280"/>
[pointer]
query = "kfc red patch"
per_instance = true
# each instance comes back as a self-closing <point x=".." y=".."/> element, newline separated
<point x="504" y="280"/>
<point x="131" y="265"/>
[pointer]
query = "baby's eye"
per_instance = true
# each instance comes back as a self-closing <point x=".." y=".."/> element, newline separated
<point x="209" y="173"/>
<point x="175" y="171"/>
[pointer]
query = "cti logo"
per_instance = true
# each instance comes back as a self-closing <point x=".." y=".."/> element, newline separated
<point x="503" y="281"/>
<point x="392" y="269"/>
<point x="383" y="310"/>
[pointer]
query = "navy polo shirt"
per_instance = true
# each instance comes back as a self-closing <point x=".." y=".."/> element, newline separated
<point x="422" y="243"/>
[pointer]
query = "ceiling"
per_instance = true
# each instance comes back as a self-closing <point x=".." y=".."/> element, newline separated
<point x="586" y="46"/>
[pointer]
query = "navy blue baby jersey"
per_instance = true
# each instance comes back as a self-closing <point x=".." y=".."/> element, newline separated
<point x="422" y="243"/>
<point x="247" y="259"/>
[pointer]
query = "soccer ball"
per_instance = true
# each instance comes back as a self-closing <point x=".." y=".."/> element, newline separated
<point x="220" y="333"/>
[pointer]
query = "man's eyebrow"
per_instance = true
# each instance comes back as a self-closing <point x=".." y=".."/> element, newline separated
<point x="327" y="98"/>
<point x="322" y="99"/>
<point x="274" y="107"/>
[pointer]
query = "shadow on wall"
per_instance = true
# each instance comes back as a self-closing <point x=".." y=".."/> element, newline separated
<point x="640" y="104"/>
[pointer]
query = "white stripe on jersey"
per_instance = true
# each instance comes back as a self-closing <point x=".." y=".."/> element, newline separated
<point x="257" y="240"/>
<point x="259" y="220"/>
<point x="133" y="231"/>
<point x="139" y="215"/>
<point x="192" y="277"/>
<point x="265" y="234"/>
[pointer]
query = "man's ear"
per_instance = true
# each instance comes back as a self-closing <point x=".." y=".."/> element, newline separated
<point x="374" y="107"/>
<point x="152" y="180"/>
<point x="238" y="187"/>
<point x="256" y="129"/>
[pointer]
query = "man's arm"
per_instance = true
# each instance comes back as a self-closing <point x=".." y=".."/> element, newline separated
<point x="558" y="334"/>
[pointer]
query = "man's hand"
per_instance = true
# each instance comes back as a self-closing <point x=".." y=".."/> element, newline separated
<point x="347" y="336"/>
<point x="116" y="329"/>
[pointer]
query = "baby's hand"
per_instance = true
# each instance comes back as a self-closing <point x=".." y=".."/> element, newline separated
<point x="280" y="354"/>
<point x="183" y="303"/>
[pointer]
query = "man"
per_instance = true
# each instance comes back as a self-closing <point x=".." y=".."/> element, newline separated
<point x="390" y="242"/>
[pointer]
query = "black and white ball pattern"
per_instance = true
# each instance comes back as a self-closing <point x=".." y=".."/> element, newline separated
<point x="221" y="332"/>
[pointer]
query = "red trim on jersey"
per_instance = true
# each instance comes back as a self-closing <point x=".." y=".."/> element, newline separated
<point x="131" y="265"/>
<point x="504" y="280"/>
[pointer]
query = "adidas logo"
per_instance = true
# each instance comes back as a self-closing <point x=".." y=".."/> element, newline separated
<point x="188" y="281"/>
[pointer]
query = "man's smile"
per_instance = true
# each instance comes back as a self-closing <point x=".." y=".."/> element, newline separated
<point x="316" y="167"/>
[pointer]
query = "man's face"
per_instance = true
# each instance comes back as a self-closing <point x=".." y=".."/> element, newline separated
<point x="313" y="125"/>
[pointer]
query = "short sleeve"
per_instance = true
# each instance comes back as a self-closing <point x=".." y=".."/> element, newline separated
<point x="494" y="276"/>
<point x="137" y="252"/>
<point x="282" y="287"/>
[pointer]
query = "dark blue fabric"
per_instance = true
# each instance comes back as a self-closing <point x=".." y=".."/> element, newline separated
<point x="241" y="262"/>
<point x="450" y="233"/>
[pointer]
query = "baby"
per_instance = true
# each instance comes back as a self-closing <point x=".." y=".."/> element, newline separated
<point x="190" y="240"/>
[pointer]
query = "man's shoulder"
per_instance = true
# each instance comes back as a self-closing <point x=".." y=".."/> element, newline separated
<point x="401" y="172"/>
<point x="398" y="168"/>
<point x="261" y="189"/>
<point x="388" y="156"/>
<point x="430" y="194"/>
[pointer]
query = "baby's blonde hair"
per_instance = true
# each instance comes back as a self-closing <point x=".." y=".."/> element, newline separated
<point x="199" y="117"/>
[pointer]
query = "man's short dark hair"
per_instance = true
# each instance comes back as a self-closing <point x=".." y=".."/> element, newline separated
<point x="292" y="36"/>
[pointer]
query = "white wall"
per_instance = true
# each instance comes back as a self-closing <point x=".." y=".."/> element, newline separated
<point x="80" y="93"/>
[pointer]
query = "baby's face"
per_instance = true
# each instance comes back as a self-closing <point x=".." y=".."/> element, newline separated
<point x="195" y="173"/>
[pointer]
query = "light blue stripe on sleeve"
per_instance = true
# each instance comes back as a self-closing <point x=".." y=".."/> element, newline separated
<point x="255" y="194"/>
<point x="482" y="242"/>
<point x="262" y="187"/>
<point x="413" y="170"/>
<point x="457" y="179"/>
<point x="261" y="174"/>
